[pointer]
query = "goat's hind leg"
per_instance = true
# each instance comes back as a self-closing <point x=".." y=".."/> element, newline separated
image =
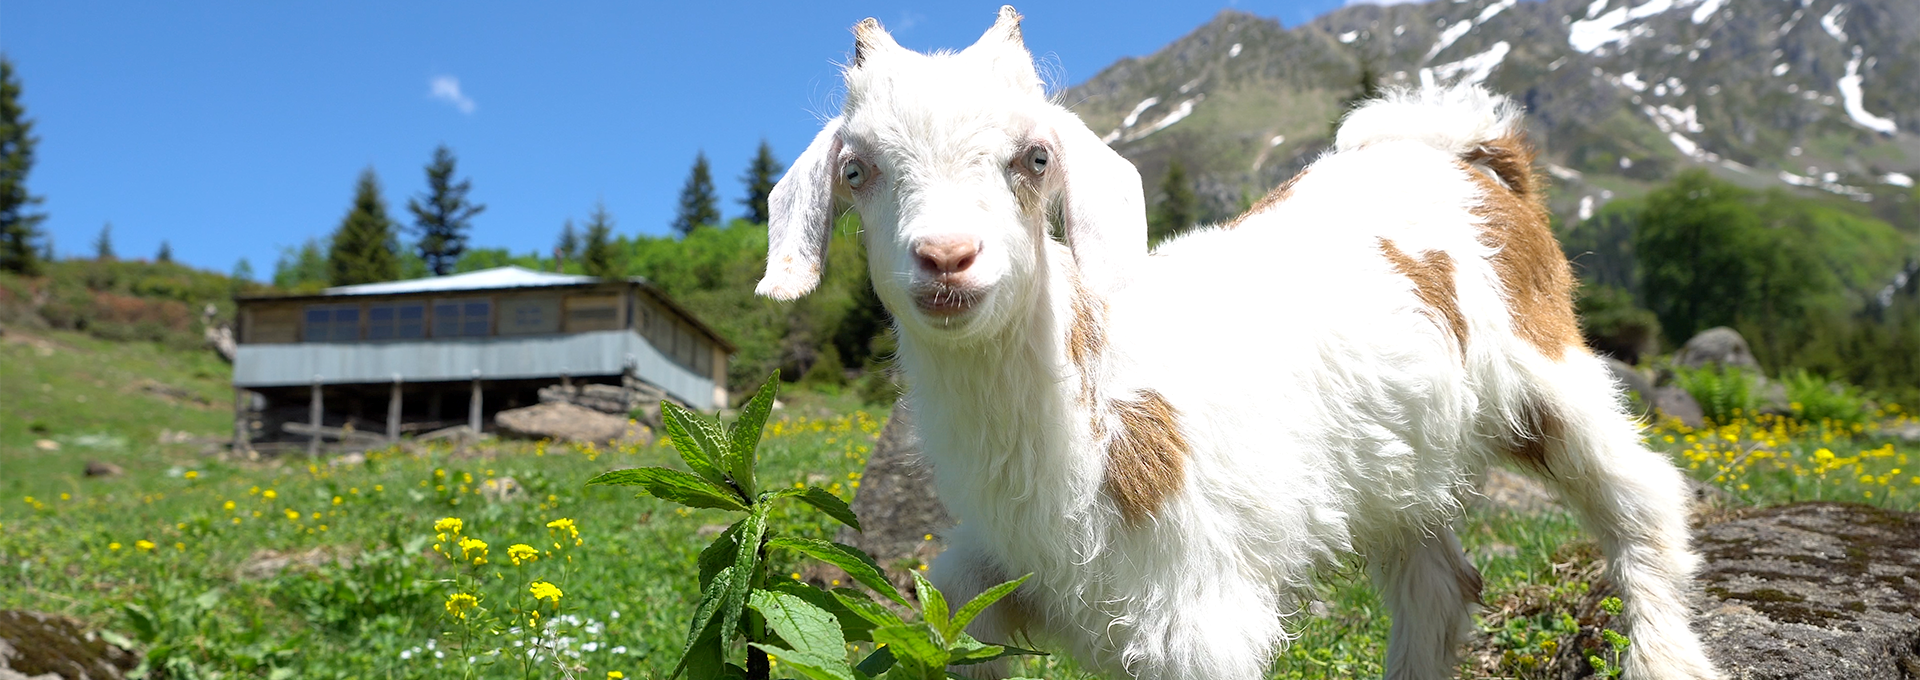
<point x="1634" y="500"/>
<point x="1431" y="589"/>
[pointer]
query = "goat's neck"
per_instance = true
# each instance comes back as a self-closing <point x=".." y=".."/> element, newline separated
<point x="1002" y="419"/>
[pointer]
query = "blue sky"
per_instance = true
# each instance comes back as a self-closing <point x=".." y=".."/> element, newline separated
<point x="235" y="129"/>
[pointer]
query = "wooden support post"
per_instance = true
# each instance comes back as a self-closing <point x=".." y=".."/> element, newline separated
<point x="434" y="404"/>
<point x="242" y="421"/>
<point x="314" y="409"/>
<point x="393" y="411"/>
<point x="473" y="407"/>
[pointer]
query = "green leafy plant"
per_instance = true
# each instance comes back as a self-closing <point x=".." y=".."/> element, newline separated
<point x="1724" y="394"/>
<point x="1816" y="399"/>
<point x="805" y="627"/>
<point x="1609" y="666"/>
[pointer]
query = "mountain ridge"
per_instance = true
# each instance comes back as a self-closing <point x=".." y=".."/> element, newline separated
<point x="1814" y="96"/>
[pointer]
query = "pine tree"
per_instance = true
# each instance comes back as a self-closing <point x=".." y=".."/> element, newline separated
<point x="363" y="246"/>
<point x="1367" y="89"/>
<point x="698" y="206"/>
<point x="597" y="255"/>
<point x="567" y="248"/>
<point x="761" y="175"/>
<point x="19" y="228"/>
<point x="443" y="214"/>
<point x="1176" y="211"/>
<point x="103" y="244"/>
<point x="165" y="254"/>
<point x="301" y="268"/>
<point x="241" y="279"/>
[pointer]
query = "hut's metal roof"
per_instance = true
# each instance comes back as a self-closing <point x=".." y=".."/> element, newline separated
<point x="486" y="279"/>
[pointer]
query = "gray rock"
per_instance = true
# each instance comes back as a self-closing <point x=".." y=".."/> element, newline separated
<point x="1673" y="401"/>
<point x="564" y="422"/>
<point x="1636" y="383"/>
<point x="39" y="646"/>
<point x="896" y="503"/>
<point x="1721" y="345"/>
<point x="1813" y="591"/>
<point x="102" y="469"/>
<point x="1508" y="490"/>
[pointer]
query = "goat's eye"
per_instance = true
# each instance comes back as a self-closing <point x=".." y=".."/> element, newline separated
<point x="855" y="173"/>
<point x="1037" y="159"/>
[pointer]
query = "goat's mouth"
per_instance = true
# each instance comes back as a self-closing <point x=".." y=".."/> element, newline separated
<point x="944" y="301"/>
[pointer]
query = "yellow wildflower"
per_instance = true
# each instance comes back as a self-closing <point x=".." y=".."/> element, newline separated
<point x="449" y="525"/>
<point x="615" y="675"/>
<point x="143" y="544"/>
<point x="543" y="590"/>
<point x="192" y="474"/>
<point x="113" y="546"/>
<point x="228" y="506"/>
<point x="470" y="546"/>
<point x="292" y="514"/>
<point x="459" y="603"/>
<point x="336" y="500"/>
<point x="269" y="494"/>
<point x="521" y="552"/>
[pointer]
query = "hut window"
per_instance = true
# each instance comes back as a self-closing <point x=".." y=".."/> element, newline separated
<point x="529" y="316"/>
<point x="397" y="321"/>
<point x="593" y="313"/>
<point x="462" y="318"/>
<point x="332" y="323"/>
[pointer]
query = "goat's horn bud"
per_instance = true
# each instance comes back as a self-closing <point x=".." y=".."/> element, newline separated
<point x="868" y="38"/>
<point x="1009" y="23"/>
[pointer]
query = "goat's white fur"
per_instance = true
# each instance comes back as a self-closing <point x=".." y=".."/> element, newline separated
<point x="1326" y="412"/>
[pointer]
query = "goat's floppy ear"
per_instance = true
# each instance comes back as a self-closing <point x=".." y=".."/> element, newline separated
<point x="1102" y="204"/>
<point x="1005" y="49"/>
<point x="801" y="223"/>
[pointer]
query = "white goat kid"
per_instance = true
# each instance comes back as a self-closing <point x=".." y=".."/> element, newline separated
<point x="1175" y="444"/>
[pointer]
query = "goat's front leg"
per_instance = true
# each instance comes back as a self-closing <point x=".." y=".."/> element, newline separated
<point x="964" y="571"/>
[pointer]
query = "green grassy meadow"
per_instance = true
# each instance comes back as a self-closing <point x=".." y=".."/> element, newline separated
<point x="293" y="567"/>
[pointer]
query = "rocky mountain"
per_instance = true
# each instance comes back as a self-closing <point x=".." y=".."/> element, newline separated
<point x="1822" y="96"/>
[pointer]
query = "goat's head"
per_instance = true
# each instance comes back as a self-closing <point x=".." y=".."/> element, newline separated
<point x="953" y="161"/>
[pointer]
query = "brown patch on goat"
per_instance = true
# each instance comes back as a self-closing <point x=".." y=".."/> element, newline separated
<point x="1432" y="277"/>
<point x="1147" y="458"/>
<point x="1279" y="195"/>
<point x="1538" y="425"/>
<point x="1469" y="580"/>
<point x="1086" y="337"/>
<point x="1532" y="270"/>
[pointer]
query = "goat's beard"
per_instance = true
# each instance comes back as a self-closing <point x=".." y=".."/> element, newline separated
<point x="940" y="303"/>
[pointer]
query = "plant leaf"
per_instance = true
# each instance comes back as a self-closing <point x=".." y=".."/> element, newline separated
<point x="710" y="601"/>
<point x="673" y="485"/>
<point x="745" y="435"/>
<point x="933" y="606"/>
<point x="966" y="650"/>
<point x="980" y="602"/>
<point x="689" y="436"/>
<point x="813" y="666"/>
<point x="746" y="563"/>
<point x="720" y="553"/>
<point x="830" y="504"/>
<point x="914" y="646"/>
<point x="876" y="663"/>
<point x="807" y="629"/>
<point x="848" y="558"/>
<point x="855" y="626"/>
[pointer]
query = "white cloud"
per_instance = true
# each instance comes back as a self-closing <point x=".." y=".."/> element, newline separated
<point x="447" y="88"/>
<point x="1351" y="3"/>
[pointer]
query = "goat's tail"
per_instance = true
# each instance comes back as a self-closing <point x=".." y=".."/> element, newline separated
<point x="1477" y="126"/>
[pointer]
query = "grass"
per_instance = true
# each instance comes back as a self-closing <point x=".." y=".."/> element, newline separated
<point x="174" y="553"/>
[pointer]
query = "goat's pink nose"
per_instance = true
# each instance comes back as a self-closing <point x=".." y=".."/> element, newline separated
<point x="946" y="255"/>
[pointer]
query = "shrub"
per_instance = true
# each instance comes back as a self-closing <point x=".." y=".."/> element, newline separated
<point x="1817" y="399"/>
<point x="1724" y="394"/>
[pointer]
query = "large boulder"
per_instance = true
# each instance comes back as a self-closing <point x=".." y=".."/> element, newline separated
<point x="564" y="422"/>
<point x="38" y="646"/>
<point x="896" y="503"/>
<point x="1813" y="591"/>
<point x="1718" y="346"/>
<point x="1674" y="401"/>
